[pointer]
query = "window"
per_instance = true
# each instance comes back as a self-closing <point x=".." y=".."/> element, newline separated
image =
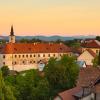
<point x="34" y="55"/>
<point x="3" y="56"/>
<point x="48" y="55"/>
<point x="43" y="55"/>
<point x="23" y="55"/>
<point x="15" y="62"/>
<point x="15" y="56"/>
<point x="31" y="62"/>
<point x="23" y="62"/>
<point x="27" y="56"/>
<point x="60" y="55"/>
<point x="3" y="63"/>
<point x="30" y="55"/>
<point x="38" y="55"/>
<point x="19" y="56"/>
<point x="97" y="51"/>
<point x="54" y="55"/>
<point x="34" y="61"/>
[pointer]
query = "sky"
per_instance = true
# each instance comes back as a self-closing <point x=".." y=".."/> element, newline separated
<point x="50" y="17"/>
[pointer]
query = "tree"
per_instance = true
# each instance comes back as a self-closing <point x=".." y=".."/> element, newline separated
<point x="61" y="74"/>
<point x="96" y="61"/>
<point x="5" y="71"/>
<point x="5" y="91"/>
<point x="98" y="38"/>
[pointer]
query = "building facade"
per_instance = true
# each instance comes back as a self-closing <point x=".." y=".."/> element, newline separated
<point x="25" y="56"/>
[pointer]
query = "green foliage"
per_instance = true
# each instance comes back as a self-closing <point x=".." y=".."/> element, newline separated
<point x="72" y="43"/>
<point x="5" y="71"/>
<point x="29" y="85"/>
<point x="98" y="38"/>
<point x="58" y="76"/>
<point x="62" y="74"/>
<point x="24" y="40"/>
<point x="96" y="61"/>
<point x="5" y="91"/>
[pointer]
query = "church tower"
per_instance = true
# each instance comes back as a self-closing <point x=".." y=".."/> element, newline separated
<point x="12" y="36"/>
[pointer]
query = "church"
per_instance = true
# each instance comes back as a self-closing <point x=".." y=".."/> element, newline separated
<point x="25" y="56"/>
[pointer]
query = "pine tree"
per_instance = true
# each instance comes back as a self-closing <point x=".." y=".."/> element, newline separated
<point x="5" y="91"/>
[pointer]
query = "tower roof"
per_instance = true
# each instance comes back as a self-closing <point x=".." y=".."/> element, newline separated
<point x="12" y="31"/>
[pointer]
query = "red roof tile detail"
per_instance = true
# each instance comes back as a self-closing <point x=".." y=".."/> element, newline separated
<point x="91" y="44"/>
<point x="14" y="48"/>
<point x="88" y="76"/>
<point x="68" y="94"/>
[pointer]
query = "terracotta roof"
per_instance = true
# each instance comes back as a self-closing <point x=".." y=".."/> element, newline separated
<point x="91" y="44"/>
<point x="91" y="52"/>
<point x="68" y="94"/>
<point x="88" y="76"/>
<point x="12" y="48"/>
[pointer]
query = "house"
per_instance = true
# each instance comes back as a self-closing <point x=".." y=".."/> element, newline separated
<point x="87" y="88"/>
<point x="94" y="45"/>
<point x="88" y="55"/>
<point x="25" y="56"/>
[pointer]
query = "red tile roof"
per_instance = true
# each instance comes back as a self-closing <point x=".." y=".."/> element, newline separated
<point x="91" y="44"/>
<point x="88" y="76"/>
<point x="68" y="94"/>
<point x="12" y="48"/>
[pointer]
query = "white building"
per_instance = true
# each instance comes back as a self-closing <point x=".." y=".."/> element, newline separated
<point x="25" y="56"/>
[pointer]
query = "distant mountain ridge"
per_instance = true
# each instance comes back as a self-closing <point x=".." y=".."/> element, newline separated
<point x="51" y="38"/>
